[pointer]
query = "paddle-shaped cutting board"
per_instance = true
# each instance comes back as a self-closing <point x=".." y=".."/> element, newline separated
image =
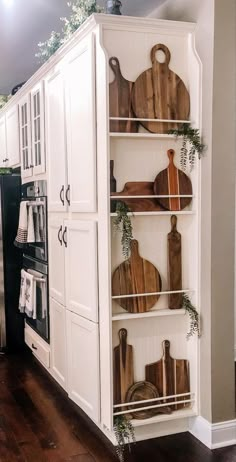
<point x="136" y="276"/>
<point x="159" y="93"/>
<point x="170" y="376"/>
<point x="120" y="100"/>
<point x="172" y="181"/>
<point x="139" y="188"/>
<point x="123" y="368"/>
<point x="174" y="265"/>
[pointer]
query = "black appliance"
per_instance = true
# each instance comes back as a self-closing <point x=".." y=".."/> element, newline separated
<point x="35" y="256"/>
<point x="11" y="321"/>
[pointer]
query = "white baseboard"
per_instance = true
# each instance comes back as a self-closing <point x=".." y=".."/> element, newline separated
<point x="214" y="436"/>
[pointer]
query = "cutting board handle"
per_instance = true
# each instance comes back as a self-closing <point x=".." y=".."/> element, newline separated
<point x="115" y="66"/>
<point x="166" y="52"/>
<point x="123" y="344"/>
<point x="173" y="223"/>
<point x="170" y="154"/>
<point x="166" y="349"/>
<point x="134" y="253"/>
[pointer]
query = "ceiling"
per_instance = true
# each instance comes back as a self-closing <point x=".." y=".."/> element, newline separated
<point x="24" y="23"/>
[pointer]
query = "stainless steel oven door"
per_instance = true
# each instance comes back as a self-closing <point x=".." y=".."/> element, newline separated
<point x="40" y="272"/>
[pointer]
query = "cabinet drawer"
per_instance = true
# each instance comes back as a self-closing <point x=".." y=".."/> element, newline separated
<point x="39" y="349"/>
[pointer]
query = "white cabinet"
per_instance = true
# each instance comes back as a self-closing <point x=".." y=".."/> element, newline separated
<point x="32" y="145"/>
<point x="83" y="364"/>
<point x="56" y="260"/>
<point x="25" y="137"/>
<point x="81" y="127"/>
<point x="3" y="141"/>
<point x="73" y="265"/>
<point x="56" y="140"/>
<point x="71" y="133"/>
<point x="12" y="137"/>
<point x="58" y="342"/>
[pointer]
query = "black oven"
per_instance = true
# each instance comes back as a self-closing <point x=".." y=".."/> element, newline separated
<point x="39" y="270"/>
<point x="36" y="192"/>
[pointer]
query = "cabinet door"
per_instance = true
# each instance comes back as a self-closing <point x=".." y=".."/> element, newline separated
<point x="37" y="116"/>
<point x="83" y="364"/>
<point x="81" y="268"/>
<point x="25" y="137"/>
<point x="12" y="134"/>
<point x="55" y="141"/>
<point x="81" y="127"/>
<point x="56" y="260"/>
<point x="3" y="141"/>
<point x="58" y="342"/>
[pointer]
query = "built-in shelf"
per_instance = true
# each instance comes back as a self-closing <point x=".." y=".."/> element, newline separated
<point x="150" y="294"/>
<point x="142" y="135"/>
<point x="136" y="119"/>
<point x="181" y="414"/>
<point x="152" y="196"/>
<point x="162" y="212"/>
<point x="148" y="314"/>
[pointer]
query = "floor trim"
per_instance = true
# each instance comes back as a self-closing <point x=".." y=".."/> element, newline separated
<point x="213" y="436"/>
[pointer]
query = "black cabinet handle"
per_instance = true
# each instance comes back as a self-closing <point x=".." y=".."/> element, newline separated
<point x="65" y="235"/>
<point x="67" y="194"/>
<point x="34" y="347"/>
<point x="4" y="160"/>
<point x="62" y="197"/>
<point x="31" y="166"/>
<point x="59" y="235"/>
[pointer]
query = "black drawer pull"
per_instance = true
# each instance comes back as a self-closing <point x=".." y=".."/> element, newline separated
<point x="59" y="235"/>
<point x="62" y="192"/>
<point x="34" y="347"/>
<point x="67" y="194"/>
<point x="63" y="236"/>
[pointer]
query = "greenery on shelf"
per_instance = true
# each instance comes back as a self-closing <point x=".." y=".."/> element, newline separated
<point x="80" y="11"/>
<point x="122" y="223"/>
<point x="193" y="315"/>
<point x="124" y="433"/>
<point x="191" y="145"/>
<point x="3" y="100"/>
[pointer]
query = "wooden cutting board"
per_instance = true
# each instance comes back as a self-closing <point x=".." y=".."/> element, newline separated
<point x="123" y="368"/>
<point x="139" y="188"/>
<point x="136" y="276"/>
<point x="141" y="391"/>
<point x="172" y="181"/>
<point x="174" y="265"/>
<point x="120" y="100"/>
<point x="170" y="376"/>
<point x="159" y="93"/>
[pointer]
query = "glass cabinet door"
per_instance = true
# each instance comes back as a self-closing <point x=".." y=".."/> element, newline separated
<point x="25" y="137"/>
<point x="37" y="116"/>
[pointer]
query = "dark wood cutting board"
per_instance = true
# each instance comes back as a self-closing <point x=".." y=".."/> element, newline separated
<point x="123" y="368"/>
<point x="139" y="188"/>
<point x="174" y="265"/>
<point x="136" y="276"/>
<point x="172" y="181"/>
<point x="120" y="100"/>
<point x="141" y="391"/>
<point x="159" y="93"/>
<point x="170" y="376"/>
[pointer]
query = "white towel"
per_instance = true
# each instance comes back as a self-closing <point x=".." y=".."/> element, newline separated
<point x="42" y="286"/>
<point x="30" y="296"/>
<point x="22" y="291"/>
<point x="21" y="238"/>
<point x="31" y="233"/>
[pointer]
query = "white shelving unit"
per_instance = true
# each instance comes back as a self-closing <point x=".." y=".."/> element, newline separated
<point x="140" y="157"/>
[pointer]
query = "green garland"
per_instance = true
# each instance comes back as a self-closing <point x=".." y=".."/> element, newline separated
<point x="122" y="223"/>
<point x="80" y="11"/>
<point x="192" y="137"/>
<point x="124" y="433"/>
<point x="193" y="315"/>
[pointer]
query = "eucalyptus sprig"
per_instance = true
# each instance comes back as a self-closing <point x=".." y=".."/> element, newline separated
<point x="194" y="327"/>
<point x="124" y="433"/>
<point x="192" y="137"/>
<point x="122" y="223"/>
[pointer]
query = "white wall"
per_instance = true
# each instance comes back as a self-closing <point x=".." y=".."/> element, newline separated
<point x="215" y="42"/>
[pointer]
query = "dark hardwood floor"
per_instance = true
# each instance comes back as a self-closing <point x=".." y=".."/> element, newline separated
<point x="38" y="424"/>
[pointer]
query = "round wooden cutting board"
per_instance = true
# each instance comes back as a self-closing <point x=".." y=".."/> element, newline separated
<point x="136" y="276"/>
<point x="159" y="93"/>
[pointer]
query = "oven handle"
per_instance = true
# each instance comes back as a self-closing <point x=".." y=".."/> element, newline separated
<point x="59" y="235"/>
<point x="62" y="192"/>
<point x="63" y="236"/>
